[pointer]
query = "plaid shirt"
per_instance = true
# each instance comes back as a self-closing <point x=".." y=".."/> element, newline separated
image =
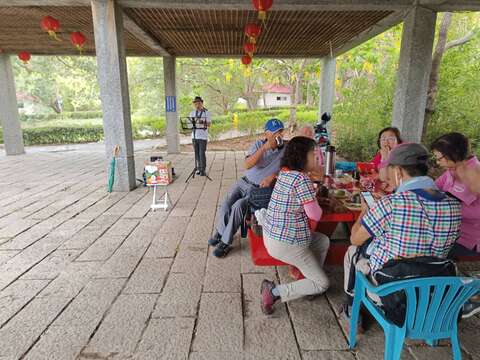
<point x="286" y="220"/>
<point x="412" y="223"/>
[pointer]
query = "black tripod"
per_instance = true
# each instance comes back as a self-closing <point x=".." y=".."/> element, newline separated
<point x="191" y="123"/>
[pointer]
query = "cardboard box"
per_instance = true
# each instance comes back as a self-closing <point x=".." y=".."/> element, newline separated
<point x="158" y="173"/>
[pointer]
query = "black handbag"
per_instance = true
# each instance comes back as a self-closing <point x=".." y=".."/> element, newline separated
<point x="259" y="198"/>
<point x="395" y="304"/>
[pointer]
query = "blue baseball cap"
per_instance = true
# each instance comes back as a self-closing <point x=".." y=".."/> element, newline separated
<point x="274" y="125"/>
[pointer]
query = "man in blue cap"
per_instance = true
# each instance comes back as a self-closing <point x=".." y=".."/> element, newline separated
<point x="262" y="165"/>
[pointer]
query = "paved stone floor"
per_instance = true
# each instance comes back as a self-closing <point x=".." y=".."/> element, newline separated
<point x="88" y="275"/>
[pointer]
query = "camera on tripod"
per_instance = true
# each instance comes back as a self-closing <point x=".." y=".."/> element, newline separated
<point x="321" y="132"/>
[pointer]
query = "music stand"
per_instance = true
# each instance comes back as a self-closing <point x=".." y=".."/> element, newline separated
<point x="193" y="124"/>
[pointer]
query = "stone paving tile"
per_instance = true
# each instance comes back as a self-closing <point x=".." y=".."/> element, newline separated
<point x="180" y="296"/>
<point x="266" y="337"/>
<point x="316" y="325"/>
<point x="190" y="259"/>
<point x="102" y="248"/>
<point x="122" y="227"/>
<point x="223" y="275"/>
<point x="17" y="295"/>
<point x="52" y="265"/>
<point x="216" y="356"/>
<point x="71" y="281"/>
<point x="122" y="328"/>
<point x="166" y="339"/>
<point x="82" y="239"/>
<point x="60" y="343"/>
<point x="468" y="334"/>
<point x="327" y="355"/>
<point x="426" y="352"/>
<point x="88" y="308"/>
<point x="163" y="246"/>
<point x="213" y="319"/>
<point x="6" y="255"/>
<point x="21" y="332"/>
<point x="148" y="277"/>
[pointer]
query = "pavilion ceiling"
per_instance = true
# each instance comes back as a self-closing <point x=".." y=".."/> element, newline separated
<point x="192" y="32"/>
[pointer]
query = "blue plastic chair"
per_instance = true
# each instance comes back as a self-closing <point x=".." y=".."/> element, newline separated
<point x="433" y="306"/>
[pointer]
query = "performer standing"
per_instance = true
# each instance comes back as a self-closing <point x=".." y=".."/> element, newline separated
<point x="203" y="121"/>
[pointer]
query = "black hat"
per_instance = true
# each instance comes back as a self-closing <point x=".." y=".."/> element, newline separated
<point x="198" y="99"/>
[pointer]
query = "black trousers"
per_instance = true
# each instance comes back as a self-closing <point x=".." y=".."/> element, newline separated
<point x="200" y="146"/>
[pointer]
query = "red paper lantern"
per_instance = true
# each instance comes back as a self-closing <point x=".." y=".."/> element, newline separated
<point x="50" y="25"/>
<point x="249" y="48"/>
<point x="262" y="6"/>
<point x="246" y="59"/>
<point x="24" y="56"/>
<point x="253" y="31"/>
<point x="78" y="40"/>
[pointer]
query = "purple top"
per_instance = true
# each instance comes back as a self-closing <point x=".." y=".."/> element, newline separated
<point x="470" y="228"/>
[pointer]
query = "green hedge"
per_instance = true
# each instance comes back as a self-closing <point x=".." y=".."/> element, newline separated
<point x="60" y="135"/>
<point x="65" y="115"/>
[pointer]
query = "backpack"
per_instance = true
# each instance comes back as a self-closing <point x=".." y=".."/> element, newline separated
<point x="395" y="304"/>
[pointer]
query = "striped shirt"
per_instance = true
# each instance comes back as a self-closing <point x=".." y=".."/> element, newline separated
<point x="286" y="220"/>
<point x="412" y="223"/>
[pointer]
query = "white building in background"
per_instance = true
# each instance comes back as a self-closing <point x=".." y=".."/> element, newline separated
<point x="275" y="95"/>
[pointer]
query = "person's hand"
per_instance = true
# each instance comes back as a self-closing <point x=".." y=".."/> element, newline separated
<point x="385" y="151"/>
<point x="267" y="181"/>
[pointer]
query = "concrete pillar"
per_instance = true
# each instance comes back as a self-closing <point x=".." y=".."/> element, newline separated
<point x="169" y="76"/>
<point x="112" y="76"/>
<point x="413" y="73"/>
<point x="327" y="86"/>
<point x="12" y="132"/>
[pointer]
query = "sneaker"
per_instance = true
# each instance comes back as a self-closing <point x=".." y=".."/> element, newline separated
<point x="214" y="240"/>
<point x="197" y="172"/>
<point x="268" y="299"/>
<point x="470" y="308"/>
<point x="345" y="317"/>
<point x="221" y="250"/>
<point x="202" y="173"/>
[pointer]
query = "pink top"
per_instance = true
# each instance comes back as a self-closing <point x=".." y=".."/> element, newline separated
<point x="470" y="228"/>
<point x="377" y="159"/>
<point x="313" y="210"/>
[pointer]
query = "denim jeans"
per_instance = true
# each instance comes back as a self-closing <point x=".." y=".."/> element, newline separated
<point x="200" y="146"/>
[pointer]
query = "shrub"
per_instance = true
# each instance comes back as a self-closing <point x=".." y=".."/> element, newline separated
<point x="62" y="135"/>
<point x="144" y="127"/>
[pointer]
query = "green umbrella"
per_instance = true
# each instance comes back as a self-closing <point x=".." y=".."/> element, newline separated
<point x="113" y="163"/>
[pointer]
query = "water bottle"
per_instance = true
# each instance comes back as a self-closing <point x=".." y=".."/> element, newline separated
<point x="330" y="161"/>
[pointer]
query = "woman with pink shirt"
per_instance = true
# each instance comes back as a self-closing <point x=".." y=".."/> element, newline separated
<point x="452" y="153"/>
<point x="388" y="139"/>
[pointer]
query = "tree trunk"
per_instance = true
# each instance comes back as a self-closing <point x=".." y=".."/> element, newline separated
<point x="435" y="72"/>
<point x="440" y="49"/>
<point x="296" y="97"/>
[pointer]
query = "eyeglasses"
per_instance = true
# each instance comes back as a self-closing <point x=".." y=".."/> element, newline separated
<point x="437" y="159"/>
<point x="389" y="138"/>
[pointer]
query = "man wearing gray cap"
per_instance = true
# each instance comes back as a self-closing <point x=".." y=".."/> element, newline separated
<point x="417" y="220"/>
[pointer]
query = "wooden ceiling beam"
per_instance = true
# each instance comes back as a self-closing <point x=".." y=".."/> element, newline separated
<point x="134" y="29"/>
<point x="378" y="28"/>
<point x="319" y="5"/>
